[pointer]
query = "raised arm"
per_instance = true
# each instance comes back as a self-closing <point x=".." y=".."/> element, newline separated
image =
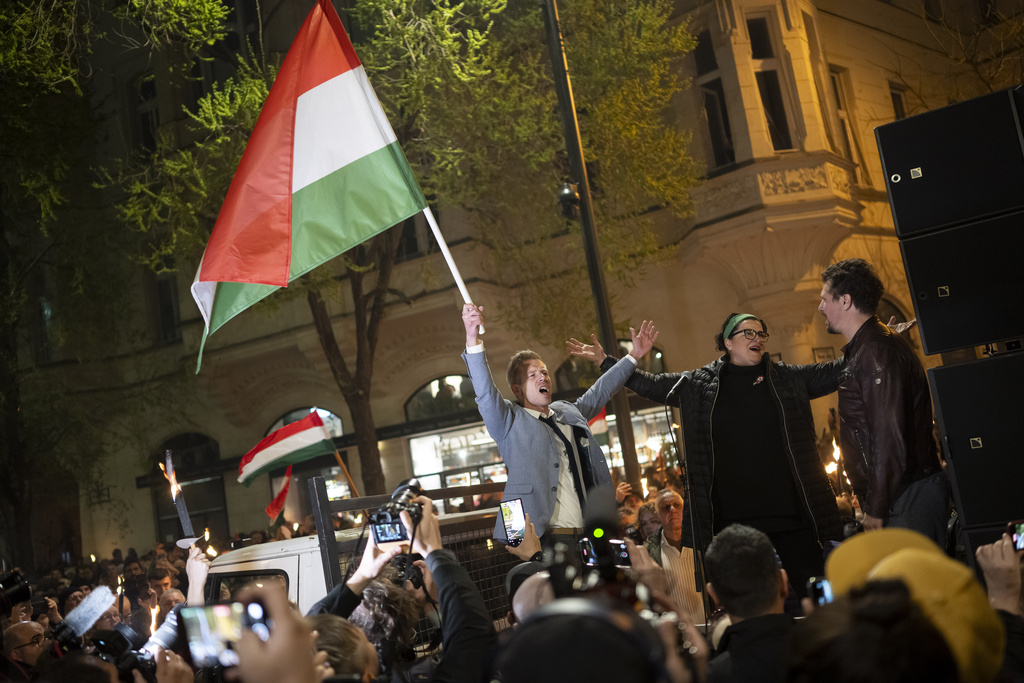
<point x="591" y="402"/>
<point x="493" y="407"/>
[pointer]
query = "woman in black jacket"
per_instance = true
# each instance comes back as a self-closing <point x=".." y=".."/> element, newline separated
<point x="750" y="444"/>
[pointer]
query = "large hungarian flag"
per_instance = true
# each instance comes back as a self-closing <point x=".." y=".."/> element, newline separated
<point x="322" y="172"/>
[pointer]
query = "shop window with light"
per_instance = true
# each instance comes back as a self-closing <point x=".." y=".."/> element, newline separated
<point x="651" y="434"/>
<point x="204" y="495"/>
<point x="768" y="74"/>
<point x="442" y="396"/>
<point x="457" y="457"/>
<point x="718" y="133"/>
<point x="576" y="373"/>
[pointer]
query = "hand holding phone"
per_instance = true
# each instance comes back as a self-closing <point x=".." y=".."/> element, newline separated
<point x="285" y="655"/>
<point x="1015" y="530"/>
<point x="514" y="520"/>
<point x="213" y="632"/>
<point x="819" y="589"/>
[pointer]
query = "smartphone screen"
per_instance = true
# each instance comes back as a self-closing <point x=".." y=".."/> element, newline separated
<point x="819" y="590"/>
<point x="214" y="631"/>
<point x="1016" y="532"/>
<point x="514" y="519"/>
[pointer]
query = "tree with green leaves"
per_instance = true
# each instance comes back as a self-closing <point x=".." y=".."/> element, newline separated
<point x="468" y="90"/>
<point x="61" y="268"/>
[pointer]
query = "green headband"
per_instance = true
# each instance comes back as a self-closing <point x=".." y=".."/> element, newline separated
<point x="734" y="321"/>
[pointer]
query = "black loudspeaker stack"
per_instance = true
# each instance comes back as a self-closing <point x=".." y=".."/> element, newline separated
<point x="955" y="178"/>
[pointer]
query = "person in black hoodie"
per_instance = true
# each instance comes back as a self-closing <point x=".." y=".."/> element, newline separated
<point x="751" y="446"/>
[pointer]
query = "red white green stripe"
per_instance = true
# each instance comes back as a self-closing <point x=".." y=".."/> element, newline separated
<point x="322" y="173"/>
<point x="291" y="444"/>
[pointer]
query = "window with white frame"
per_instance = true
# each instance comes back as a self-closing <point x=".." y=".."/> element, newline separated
<point x="847" y="142"/>
<point x="720" y="150"/>
<point x="768" y="74"/>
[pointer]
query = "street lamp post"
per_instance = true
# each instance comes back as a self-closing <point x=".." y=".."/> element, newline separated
<point x="574" y="147"/>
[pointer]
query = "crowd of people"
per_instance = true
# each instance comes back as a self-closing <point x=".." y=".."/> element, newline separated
<point x="902" y="611"/>
<point x="710" y="582"/>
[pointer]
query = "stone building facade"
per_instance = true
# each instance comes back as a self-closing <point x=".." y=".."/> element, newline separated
<point x="783" y="100"/>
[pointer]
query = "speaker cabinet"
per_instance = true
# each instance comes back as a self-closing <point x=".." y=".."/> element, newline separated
<point x="965" y="284"/>
<point x="956" y="164"/>
<point x="979" y="406"/>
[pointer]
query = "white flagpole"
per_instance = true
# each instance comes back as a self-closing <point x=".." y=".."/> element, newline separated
<point x="448" y="258"/>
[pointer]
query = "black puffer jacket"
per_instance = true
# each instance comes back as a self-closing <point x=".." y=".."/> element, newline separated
<point x="793" y="387"/>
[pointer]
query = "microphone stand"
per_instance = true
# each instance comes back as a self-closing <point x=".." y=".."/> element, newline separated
<point x="690" y="508"/>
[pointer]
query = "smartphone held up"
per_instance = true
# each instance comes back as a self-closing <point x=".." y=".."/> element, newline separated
<point x="514" y="518"/>
<point x="213" y="632"/>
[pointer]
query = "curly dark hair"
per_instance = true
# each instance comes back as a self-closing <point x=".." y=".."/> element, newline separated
<point x="720" y="337"/>
<point x="855" y="277"/>
<point x="388" y="616"/>
<point x="743" y="570"/>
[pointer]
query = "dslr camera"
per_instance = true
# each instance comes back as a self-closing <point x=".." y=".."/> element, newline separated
<point x="13" y="589"/>
<point x="386" y="525"/>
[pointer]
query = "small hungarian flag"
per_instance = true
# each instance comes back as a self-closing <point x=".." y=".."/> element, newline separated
<point x="322" y="173"/>
<point x="291" y="444"/>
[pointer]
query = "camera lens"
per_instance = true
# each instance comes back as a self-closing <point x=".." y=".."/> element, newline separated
<point x="13" y="589"/>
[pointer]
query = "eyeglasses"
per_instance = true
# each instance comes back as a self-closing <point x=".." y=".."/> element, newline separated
<point x="37" y="639"/>
<point x="751" y="334"/>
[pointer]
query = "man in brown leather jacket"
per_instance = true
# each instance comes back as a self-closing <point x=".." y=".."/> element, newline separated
<point x="885" y="410"/>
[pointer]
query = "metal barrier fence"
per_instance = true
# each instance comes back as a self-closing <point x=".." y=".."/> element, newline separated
<point x="467" y="535"/>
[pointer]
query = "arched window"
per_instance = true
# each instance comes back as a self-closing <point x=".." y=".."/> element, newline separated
<point x="331" y="421"/>
<point x="577" y="373"/>
<point x="441" y="396"/>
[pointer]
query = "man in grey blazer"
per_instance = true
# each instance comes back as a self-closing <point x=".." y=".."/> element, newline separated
<point x="551" y="455"/>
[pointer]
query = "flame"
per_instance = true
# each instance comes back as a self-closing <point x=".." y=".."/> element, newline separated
<point x="173" y="478"/>
<point x="206" y="536"/>
<point x="643" y="485"/>
<point x="119" y="585"/>
<point x="153" y="611"/>
<point x="831" y="468"/>
<point x="836" y="453"/>
<point x="93" y="558"/>
<point x="295" y="527"/>
<point x="211" y="552"/>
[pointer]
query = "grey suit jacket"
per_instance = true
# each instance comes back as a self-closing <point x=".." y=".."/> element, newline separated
<point x="529" y="448"/>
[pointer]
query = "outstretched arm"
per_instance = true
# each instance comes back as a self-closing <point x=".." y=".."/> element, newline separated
<point x="643" y="340"/>
<point x="592" y="352"/>
<point x="595" y="398"/>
